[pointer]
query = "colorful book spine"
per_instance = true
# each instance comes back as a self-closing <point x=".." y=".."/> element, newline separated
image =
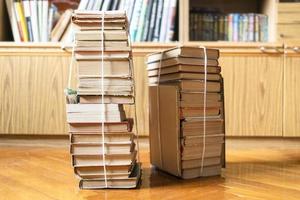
<point x="256" y="28"/>
<point x="230" y="27"/>
<point x="251" y="27"/>
<point x="157" y="28"/>
<point x="22" y="20"/>
<point x="171" y="21"/>
<point x="235" y="28"/>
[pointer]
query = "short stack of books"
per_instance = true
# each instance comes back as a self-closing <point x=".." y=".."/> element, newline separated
<point x="102" y="143"/>
<point x="180" y="144"/>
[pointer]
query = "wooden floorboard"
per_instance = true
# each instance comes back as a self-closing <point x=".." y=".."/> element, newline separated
<point x="256" y="169"/>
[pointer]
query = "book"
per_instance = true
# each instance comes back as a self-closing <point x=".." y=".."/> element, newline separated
<point x="181" y="61"/>
<point x="124" y="126"/>
<point x="91" y="137"/>
<point x="21" y="20"/>
<point x="181" y="76"/>
<point x="129" y="182"/>
<point x="190" y="52"/>
<point x="183" y="68"/>
<point x="93" y="113"/>
<point x="96" y="149"/>
<point x="60" y="27"/>
<point x="87" y="99"/>
<point x="13" y="20"/>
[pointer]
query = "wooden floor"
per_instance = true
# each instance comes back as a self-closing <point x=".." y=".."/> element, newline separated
<point x="256" y="169"/>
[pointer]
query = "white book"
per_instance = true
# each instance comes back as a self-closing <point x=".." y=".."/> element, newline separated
<point x="13" y="20"/>
<point x="83" y="5"/>
<point x="163" y="28"/>
<point x="93" y="108"/>
<point x="121" y="5"/>
<point x="45" y="6"/>
<point x="170" y="21"/>
<point x="135" y="18"/>
<point x="105" y="5"/>
<point x="26" y="8"/>
<point x="34" y="20"/>
<point x="40" y="18"/>
<point x="90" y="5"/>
<point x="97" y="5"/>
<point x="130" y="9"/>
<point x="52" y="11"/>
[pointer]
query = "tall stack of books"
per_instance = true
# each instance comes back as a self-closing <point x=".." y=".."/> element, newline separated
<point x="185" y="141"/>
<point x="102" y="143"/>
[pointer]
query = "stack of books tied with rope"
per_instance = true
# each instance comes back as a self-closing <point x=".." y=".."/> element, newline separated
<point x="103" y="145"/>
<point x="187" y="135"/>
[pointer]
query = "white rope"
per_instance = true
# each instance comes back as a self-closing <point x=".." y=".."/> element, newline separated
<point x="102" y="100"/>
<point x="134" y="95"/>
<point x="204" y="108"/>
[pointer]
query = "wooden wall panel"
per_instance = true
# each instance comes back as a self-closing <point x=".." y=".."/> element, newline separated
<point x="32" y="99"/>
<point x="253" y="94"/>
<point x="292" y="96"/>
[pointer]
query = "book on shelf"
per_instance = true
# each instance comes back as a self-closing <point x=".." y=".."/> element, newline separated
<point x="43" y="20"/>
<point x="40" y="20"/>
<point x="213" y="25"/>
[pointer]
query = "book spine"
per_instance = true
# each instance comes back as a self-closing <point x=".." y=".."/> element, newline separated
<point x="265" y="28"/>
<point x="141" y="25"/>
<point x="26" y="6"/>
<point x="235" y="27"/>
<point x="135" y="19"/>
<point x="45" y="21"/>
<point x="230" y="27"/>
<point x="90" y="5"/>
<point x="83" y="4"/>
<point x="251" y="27"/>
<point x="256" y="28"/>
<point x="130" y="9"/>
<point x="153" y="20"/>
<point x="216" y="27"/>
<point x="52" y="11"/>
<point x="171" y="21"/>
<point x="163" y="28"/>
<point x="40" y="19"/>
<point x="158" y="21"/>
<point x="225" y="36"/>
<point x="13" y="20"/>
<point x="221" y="27"/>
<point x="23" y="24"/>
<point x="241" y="27"/>
<point x="34" y="20"/>
<point x="105" y="6"/>
<point x="199" y="26"/>
<point x="147" y="20"/>
<point x="245" y="28"/>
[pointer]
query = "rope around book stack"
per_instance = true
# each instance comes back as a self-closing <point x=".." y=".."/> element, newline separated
<point x="204" y="110"/>
<point x="69" y="90"/>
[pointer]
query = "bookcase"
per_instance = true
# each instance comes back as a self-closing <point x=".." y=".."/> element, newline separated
<point x="260" y="78"/>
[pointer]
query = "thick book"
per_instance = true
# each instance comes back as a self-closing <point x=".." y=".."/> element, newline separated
<point x="114" y="68"/>
<point x="214" y="170"/>
<point x="186" y="112"/>
<point x="90" y="137"/>
<point x="130" y="182"/>
<point x="97" y="35"/>
<point x="98" y="170"/>
<point x="13" y="20"/>
<point x="196" y="163"/>
<point x="184" y="51"/>
<point x="97" y="149"/>
<point x="183" y="76"/>
<point x="114" y="127"/>
<point x="94" y="55"/>
<point x="183" y="68"/>
<point x="92" y="99"/>
<point x="110" y="159"/>
<point x="93" y="113"/>
<point x="181" y="61"/>
<point x="196" y="85"/>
